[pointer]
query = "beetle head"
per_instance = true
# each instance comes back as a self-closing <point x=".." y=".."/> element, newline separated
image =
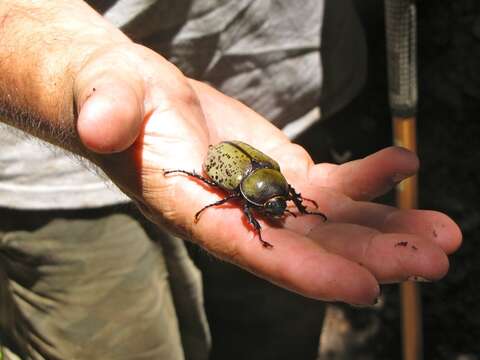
<point x="275" y="206"/>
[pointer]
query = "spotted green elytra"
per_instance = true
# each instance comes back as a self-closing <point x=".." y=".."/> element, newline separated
<point x="249" y="175"/>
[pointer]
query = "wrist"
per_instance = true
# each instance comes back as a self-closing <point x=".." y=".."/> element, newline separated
<point x="44" y="47"/>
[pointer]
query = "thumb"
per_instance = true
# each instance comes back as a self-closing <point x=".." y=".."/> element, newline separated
<point x="110" y="111"/>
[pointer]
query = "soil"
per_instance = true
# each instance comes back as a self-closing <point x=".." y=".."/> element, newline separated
<point x="264" y="321"/>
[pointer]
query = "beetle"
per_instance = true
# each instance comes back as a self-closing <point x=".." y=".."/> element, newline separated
<point x="251" y="176"/>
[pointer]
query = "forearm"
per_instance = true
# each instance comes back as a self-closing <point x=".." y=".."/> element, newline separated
<point x="43" y="44"/>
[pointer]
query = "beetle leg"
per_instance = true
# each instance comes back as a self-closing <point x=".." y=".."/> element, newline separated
<point x="193" y="174"/>
<point x="291" y="213"/>
<point x="297" y="200"/>
<point x="219" y="202"/>
<point x="293" y="193"/>
<point x="251" y="219"/>
<point x="309" y="200"/>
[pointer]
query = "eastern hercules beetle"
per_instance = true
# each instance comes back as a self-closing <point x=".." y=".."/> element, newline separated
<point x="249" y="175"/>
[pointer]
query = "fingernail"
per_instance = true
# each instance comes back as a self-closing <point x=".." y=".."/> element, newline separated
<point x="418" y="279"/>
<point x="366" y="306"/>
<point x="360" y="306"/>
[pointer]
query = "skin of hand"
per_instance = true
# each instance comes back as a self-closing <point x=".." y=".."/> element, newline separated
<point x="135" y="114"/>
<point x="174" y="121"/>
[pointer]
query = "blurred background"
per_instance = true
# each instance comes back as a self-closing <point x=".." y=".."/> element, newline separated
<point x="252" y="319"/>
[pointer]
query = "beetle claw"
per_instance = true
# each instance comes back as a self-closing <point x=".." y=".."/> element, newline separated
<point x="317" y="213"/>
<point x="266" y="245"/>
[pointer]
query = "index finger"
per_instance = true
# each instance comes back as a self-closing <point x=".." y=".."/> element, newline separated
<point x="370" y="177"/>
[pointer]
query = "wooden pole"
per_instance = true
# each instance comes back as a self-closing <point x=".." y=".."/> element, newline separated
<point x="401" y="35"/>
<point x="404" y="130"/>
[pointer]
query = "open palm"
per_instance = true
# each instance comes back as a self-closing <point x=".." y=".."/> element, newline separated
<point x="165" y="121"/>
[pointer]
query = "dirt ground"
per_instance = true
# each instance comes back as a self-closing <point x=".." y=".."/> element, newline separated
<point x="264" y="322"/>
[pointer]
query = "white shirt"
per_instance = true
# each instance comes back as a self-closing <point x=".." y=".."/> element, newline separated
<point x="266" y="53"/>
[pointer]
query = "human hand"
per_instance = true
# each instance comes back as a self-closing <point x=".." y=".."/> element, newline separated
<point x="139" y="115"/>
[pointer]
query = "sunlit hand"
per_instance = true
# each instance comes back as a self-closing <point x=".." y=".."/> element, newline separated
<point x="139" y="115"/>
